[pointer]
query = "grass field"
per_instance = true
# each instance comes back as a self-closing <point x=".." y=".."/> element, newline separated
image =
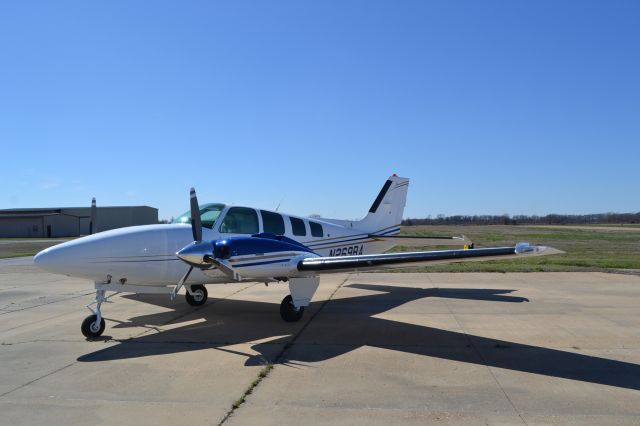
<point x="586" y="249"/>
<point x="17" y="247"/>
<point x="614" y="225"/>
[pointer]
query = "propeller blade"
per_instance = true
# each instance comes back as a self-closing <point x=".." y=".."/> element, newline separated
<point x="177" y="288"/>
<point x="94" y="213"/>
<point x="196" y="224"/>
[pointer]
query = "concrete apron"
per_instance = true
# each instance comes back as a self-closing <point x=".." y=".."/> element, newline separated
<point x="386" y="348"/>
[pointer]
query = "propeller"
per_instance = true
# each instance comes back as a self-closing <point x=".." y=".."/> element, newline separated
<point x="199" y="254"/>
<point x="196" y="230"/>
<point x="94" y="213"/>
<point x="196" y="223"/>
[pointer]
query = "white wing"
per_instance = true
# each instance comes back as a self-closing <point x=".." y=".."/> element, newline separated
<point x="396" y="260"/>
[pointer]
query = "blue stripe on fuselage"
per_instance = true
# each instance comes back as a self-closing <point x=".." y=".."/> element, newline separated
<point x="267" y="262"/>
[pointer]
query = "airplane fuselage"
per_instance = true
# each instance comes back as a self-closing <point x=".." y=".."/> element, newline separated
<point x="146" y="255"/>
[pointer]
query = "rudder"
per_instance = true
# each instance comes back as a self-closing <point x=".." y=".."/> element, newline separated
<point x="385" y="214"/>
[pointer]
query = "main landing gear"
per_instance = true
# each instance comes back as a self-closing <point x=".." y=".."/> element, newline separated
<point x="288" y="311"/>
<point x="196" y="295"/>
<point x="302" y="290"/>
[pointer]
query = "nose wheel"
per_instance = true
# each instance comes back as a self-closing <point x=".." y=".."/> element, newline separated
<point x="288" y="311"/>
<point x="197" y="295"/>
<point x="93" y="325"/>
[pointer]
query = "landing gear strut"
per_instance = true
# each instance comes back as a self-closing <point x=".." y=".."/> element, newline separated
<point x="93" y="325"/>
<point x="196" y="295"/>
<point x="288" y="311"/>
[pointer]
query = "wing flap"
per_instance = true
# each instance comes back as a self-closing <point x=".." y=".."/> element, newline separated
<point x="395" y="260"/>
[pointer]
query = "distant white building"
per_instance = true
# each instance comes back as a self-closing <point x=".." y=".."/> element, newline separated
<point x="71" y="221"/>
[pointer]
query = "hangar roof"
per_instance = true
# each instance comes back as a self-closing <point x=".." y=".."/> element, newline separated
<point x="58" y="210"/>
<point x="29" y="215"/>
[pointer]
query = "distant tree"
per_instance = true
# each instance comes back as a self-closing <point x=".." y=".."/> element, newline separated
<point x="550" y="219"/>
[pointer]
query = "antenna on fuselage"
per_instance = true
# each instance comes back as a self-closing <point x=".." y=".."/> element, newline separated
<point x="281" y="200"/>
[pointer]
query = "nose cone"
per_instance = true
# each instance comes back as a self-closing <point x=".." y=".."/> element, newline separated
<point x="41" y="259"/>
<point x="54" y="259"/>
<point x="196" y="253"/>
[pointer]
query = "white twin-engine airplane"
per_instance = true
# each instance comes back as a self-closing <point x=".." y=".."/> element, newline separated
<point x="222" y="244"/>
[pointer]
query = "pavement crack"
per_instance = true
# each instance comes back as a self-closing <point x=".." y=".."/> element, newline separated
<point x="44" y="304"/>
<point x="289" y="344"/>
<point x="24" y="342"/>
<point x="107" y="341"/>
<point x="484" y="361"/>
<point x="280" y="358"/>
<point x="35" y="380"/>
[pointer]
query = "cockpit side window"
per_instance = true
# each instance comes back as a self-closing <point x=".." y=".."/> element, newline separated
<point x="240" y="220"/>
<point x="209" y="213"/>
<point x="272" y="223"/>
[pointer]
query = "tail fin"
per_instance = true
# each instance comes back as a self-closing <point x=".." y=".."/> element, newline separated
<point x="385" y="214"/>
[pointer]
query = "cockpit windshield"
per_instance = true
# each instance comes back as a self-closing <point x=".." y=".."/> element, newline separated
<point x="208" y="215"/>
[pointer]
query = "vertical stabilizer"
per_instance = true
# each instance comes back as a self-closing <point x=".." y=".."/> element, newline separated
<point x="385" y="214"/>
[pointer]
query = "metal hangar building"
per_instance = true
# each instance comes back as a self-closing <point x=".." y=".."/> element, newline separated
<point x="71" y="221"/>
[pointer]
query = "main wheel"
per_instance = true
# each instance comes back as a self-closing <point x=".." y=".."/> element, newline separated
<point x="199" y="296"/>
<point x="288" y="311"/>
<point x="90" y="327"/>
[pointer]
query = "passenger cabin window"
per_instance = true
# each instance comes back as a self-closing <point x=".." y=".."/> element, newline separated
<point x="316" y="229"/>
<point x="272" y="223"/>
<point x="297" y="226"/>
<point x="240" y="220"/>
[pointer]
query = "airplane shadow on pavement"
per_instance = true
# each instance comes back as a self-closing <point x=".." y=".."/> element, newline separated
<point x="349" y="323"/>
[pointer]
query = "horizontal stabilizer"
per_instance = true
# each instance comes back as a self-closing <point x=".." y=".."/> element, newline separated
<point x="422" y="241"/>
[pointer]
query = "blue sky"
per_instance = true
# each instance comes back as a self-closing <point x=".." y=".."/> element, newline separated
<point x="489" y="107"/>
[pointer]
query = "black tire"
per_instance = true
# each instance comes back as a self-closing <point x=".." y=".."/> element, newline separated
<point x="288" y="311"/>
<point x="90" y="328"/>
<point x="199" y="296"/>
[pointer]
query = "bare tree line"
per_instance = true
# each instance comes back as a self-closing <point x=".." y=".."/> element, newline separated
<point x="550" y="219"/>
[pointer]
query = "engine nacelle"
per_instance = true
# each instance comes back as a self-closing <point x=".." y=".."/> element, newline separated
<point x="262" y="255"/>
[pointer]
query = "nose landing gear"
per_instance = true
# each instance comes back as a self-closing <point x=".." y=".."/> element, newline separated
<point x="93" y="325"/>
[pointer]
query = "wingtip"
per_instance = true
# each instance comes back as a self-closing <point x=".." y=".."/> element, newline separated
<point x="528" y="249"/>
